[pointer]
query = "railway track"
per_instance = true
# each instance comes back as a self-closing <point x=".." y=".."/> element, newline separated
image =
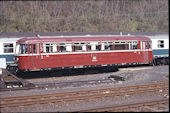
<point x="110" y="79"/>
<point x="60" y="84"/>
<point x="157" y="106"/>
<point x="82" y="95"/>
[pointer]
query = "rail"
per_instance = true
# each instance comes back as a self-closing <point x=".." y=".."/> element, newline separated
<point x="82" y="95"/>
<point x="162" y="105"/>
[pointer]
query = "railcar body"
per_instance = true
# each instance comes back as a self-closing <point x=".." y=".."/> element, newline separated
<point x="81" y="51"/>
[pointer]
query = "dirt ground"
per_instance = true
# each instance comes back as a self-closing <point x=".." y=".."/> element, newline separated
<point x="131" y="76"/>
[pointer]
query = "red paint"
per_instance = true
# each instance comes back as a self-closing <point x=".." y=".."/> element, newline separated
<point x="38" y="61"/>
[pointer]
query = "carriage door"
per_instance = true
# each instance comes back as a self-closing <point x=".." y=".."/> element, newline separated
<point x="34" y="56"/>
<point x="144" y="46"/>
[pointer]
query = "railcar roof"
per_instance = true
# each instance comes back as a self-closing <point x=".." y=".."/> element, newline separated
<point x="80" y="38"/>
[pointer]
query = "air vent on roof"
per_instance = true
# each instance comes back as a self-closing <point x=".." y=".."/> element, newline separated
<point x="120" y="33"/>
<point x="38" y="36"/>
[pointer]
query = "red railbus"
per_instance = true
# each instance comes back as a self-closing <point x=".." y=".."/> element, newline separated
<point x="43" y="53"/>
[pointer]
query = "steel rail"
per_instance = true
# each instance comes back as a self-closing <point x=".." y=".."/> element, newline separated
<point x="142" y="106"/>
<point x="82" y="95"/>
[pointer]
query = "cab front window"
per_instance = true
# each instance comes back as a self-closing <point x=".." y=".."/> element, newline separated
<point x="23" y="49"/>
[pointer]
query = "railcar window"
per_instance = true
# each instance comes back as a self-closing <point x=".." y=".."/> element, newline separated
<point x="146" y="45"/>
<point x="94" y="46"/>
<point x="68" y="47"/>
<point x="79" y="46"/>
<point x="121" y="45"/>
<point x="135" y="45"/>
<point x="48" y="48"/>
<point x="30" y="49"/>
<point x="8" y="47"/>
<point x="23" y="48"/>
<point x="107" y="46"/>
<point x="34" y="48"/>
<point x="160" y="43"/>
<point x="129" y="45"/>
<point x="150" y="44"/>
<point x="38" y="49"/>
<point x="65" y="47"/>
<point x="62" y="47"/>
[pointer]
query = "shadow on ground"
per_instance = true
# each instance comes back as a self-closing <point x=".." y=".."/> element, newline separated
<point x="66" y="72"/>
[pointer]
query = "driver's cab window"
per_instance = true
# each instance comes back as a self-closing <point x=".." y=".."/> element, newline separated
<point x="32" y="48"/>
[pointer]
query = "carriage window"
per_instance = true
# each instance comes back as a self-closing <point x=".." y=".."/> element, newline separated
<point x="107" y="45"/>
<point x="147" y="46"/>
<point x="65" y="47"/>
<point x="68" y="47"/>
<point x="121" y="45"/>
<point x="23" y="48"/>
<point x="150" y="44"/>
<point x="134" y="45"/>
<point x="48" y="48"/>
<point x="129" y="45"/>
<point x="62" y="47"/>
<point x="94" y="46"/>
<point x="8" y="47"/>
<point x="30" y="49"/>
<point x="79" y="46"/>
<point x="160" y="43"/>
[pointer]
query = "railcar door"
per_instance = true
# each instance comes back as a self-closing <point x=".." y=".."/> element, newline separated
<point x="144" y="50"/>
<point x="34" y="56"/>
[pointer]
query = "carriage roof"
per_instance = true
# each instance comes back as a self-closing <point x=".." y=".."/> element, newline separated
<point x="79" y="38"/>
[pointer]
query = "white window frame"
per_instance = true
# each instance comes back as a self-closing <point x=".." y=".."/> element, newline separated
<point x="8" y="48"/>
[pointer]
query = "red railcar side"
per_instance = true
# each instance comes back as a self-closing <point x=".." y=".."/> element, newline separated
<point x="35" y="58"/>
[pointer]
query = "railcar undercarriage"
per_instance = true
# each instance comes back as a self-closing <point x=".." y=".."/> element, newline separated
<point x="161" y="61"/>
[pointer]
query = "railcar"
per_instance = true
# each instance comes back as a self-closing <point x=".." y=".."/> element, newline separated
<point x="60" y="52"/>
<point x="7" y="51"/>
<point x="160" y="49"/>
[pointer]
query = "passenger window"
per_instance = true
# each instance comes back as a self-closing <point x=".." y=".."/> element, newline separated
<point x="48" y="48"/>
<point x="121" y="45"/>
<point x="62" y="47"/>
<point x="160" y="43"/>
<point x="134" y="45"/>
<point x="129" y="45"/>
<point x="79" y="46"/>
<point x="107" y="45"/>
<point x="94" y="46"/>
<point x="69" y="47"/>
<point x="8" y="47"/>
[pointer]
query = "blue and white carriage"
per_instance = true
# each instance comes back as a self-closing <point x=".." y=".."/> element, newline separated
<point x="160" y="48"/>
<point x="7" y="51"/>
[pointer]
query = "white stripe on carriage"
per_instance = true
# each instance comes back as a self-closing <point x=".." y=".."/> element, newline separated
<point x="82" y="52"/>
